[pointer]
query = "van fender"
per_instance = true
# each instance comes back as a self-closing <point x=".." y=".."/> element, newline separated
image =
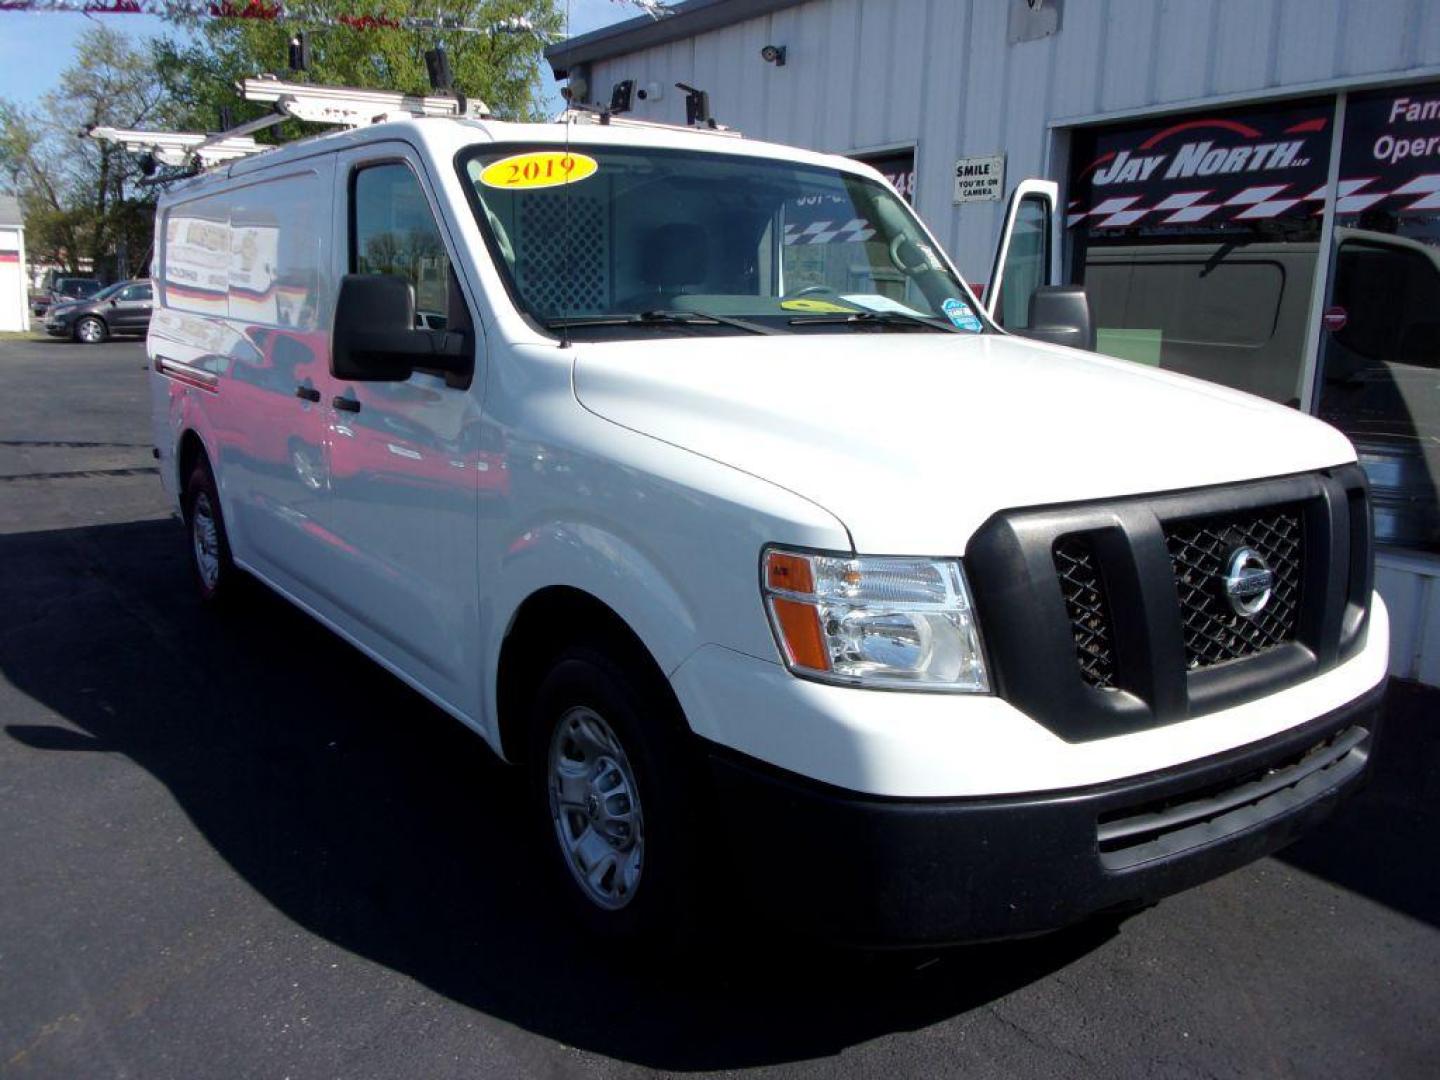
<point x="595" y="560"/>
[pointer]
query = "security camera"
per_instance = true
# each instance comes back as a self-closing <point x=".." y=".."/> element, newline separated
<point x="773" y="54"/>
<point x="622" y="96"/>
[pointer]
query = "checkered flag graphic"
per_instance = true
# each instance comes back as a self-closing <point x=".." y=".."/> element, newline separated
<point x="854" y="231"/>
<point x="1254" y="203"/>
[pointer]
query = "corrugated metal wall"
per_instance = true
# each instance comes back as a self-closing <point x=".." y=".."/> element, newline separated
<point x="864" y="74"/>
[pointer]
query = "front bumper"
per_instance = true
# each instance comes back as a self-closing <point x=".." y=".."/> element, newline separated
<point x="58" y="327"/>
<point x="876" y="871"/>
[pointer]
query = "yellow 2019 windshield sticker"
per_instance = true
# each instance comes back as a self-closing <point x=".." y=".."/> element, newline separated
<point x="827" y="307"/>
<point x="539" y="169"/>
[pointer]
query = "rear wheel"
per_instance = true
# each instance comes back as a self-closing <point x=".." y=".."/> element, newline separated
<point x="90" y="331"/>
<point x="610" y="783"/>
<point x="210" y="562"/>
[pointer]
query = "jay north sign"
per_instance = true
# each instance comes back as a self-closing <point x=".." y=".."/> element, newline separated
<point x="1210" y="169"/>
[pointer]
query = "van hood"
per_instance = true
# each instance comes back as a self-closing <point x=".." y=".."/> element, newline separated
<point x="912" y="440"/>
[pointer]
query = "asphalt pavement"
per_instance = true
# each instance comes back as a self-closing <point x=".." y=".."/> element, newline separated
<point x="232" y="846"/>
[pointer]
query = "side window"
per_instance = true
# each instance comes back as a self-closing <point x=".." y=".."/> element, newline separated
<point x="394" y="232"/>
<point x="1026" y="261"/>
<point x="250" y="252"/>
<point x="1391" y="297"/>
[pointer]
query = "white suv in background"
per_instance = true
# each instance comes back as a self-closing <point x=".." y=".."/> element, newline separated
<point x="703" y="489"/>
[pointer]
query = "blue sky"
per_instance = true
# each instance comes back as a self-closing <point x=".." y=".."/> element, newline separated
<point x="35" y="47"/>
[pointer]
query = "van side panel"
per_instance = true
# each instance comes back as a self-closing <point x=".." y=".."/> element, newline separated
<point x="245" y="295"/>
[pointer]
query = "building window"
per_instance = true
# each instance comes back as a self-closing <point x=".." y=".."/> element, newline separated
<point x="1197" y="240"/>
<point x="1380" y="349"/>
<point x="897" y="166"/>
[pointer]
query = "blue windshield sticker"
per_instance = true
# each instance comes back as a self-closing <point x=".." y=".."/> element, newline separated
<point x="959" y="314"/>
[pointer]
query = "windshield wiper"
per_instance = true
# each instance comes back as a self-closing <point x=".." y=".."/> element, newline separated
<point x="662" y="318"/>
<point x="878" y="318"/>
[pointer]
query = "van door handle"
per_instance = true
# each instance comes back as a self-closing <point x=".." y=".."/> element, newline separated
<point x="307" y="393"/>
<point x="345" y="404"/>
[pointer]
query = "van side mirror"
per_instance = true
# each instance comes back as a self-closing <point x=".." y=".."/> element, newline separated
<point x="1060" y="315"/>
<point x="375" y="337"/>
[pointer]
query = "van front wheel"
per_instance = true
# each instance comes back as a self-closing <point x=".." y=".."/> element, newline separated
<point x="608" y="775"/>
<point x="210" y="562"/>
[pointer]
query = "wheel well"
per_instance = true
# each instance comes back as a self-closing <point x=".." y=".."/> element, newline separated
<point x="533" y="642"/>
<point x="191" y="450"/>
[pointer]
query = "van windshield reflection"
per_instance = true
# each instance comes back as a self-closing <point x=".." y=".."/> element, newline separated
<point x="612" y="242"/>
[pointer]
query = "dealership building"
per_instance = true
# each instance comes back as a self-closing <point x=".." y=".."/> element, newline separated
<point x="14" y="292"/>
<point x="1249" y="189"/>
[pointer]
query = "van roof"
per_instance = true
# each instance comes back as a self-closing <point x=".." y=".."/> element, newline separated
<point x="443" y="137"/>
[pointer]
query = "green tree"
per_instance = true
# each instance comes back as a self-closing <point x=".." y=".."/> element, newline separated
<point x="502" y="69"/>
<point x="80" y="198"/>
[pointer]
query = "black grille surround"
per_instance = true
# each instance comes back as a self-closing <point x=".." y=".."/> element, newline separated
<point x="1107" y="617"/>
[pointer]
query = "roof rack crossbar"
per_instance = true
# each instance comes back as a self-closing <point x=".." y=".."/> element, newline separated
<point x="595" y="115"/>
<point x="249" y="127"/>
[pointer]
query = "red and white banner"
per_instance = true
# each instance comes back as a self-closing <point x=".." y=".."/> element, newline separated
<point x="1234" y="167"/>
<point x="1390" y="160"/>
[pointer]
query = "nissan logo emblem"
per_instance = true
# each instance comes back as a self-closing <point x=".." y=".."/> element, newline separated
<point x="1248" y="582"/>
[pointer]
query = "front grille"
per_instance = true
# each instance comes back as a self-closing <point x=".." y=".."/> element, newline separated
<point x="1108" y="617"/>
<point x="1199" y="551"/>
<point x="1084" y="592"/>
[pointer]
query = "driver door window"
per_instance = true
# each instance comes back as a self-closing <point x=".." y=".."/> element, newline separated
<point x="394" y="232"/>
<point x="1027" y="259"/>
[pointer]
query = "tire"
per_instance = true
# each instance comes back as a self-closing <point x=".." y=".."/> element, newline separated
<point x="91" y="330"/>
<point x="612" y="788"/>
<point x="213" y="570"/>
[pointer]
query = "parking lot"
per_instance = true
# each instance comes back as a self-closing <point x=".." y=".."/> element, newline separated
<point x="233" y="846"/>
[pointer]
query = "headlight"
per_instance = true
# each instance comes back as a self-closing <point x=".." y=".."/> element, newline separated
<point x="893" y="623"/>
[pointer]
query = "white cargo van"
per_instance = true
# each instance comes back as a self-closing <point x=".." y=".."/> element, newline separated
<point x="687" y="472"/>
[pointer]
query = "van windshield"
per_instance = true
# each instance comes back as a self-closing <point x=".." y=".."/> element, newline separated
<point x="620" y="241"/>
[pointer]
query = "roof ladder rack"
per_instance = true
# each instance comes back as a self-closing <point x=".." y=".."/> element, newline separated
<point x="350" y="106"/>
<point x="180" y="148"/>
<point x="340" y="106"/>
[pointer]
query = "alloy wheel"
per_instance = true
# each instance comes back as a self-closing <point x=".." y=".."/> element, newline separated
<point x="205" y="538"/>
<point x="595" y="805"/>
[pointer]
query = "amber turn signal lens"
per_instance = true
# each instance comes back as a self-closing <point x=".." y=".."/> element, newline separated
<point x="800" y="630"/>
<point x="789" y="573"/>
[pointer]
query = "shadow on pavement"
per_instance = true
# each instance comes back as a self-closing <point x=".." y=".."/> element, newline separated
<point x="373" y="820"/>
<point x="1383" y="844"/>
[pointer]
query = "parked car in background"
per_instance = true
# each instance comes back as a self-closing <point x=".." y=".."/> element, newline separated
<point x="122" y="308"/>
<point x="59" y="290"/>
